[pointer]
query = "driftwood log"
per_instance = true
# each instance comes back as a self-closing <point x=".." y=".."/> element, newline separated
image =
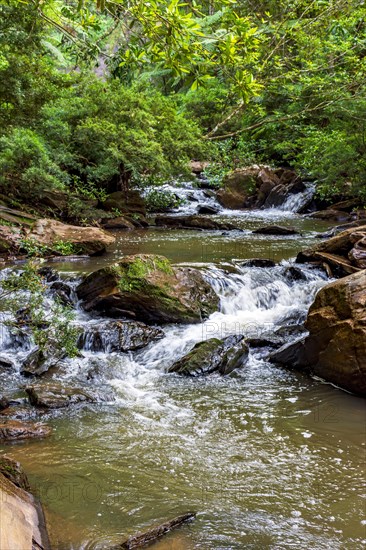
<point x="154" y="533"/>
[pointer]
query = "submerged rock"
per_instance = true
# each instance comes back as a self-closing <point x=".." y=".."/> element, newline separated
<point x="258" y="262"/>
<point x="110" y="336"/>
<point x="13" y="430"/>
<point x="213" y="355"/>
<point x="57" y="396"/>
<point x="192" y="222"/>
<point x="276" y="230"/>
<point x="146" y="287"/>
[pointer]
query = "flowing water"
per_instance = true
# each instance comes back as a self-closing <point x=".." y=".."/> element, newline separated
<point x="268" y="457"/>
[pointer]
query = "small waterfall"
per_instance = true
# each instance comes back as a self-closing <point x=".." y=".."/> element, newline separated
<point x="191" y="196"/>
<point x="299" y="201"/>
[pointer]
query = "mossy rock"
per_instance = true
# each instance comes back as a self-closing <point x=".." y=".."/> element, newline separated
<point x="213" y="355"/>
<point x="148" y="288"/>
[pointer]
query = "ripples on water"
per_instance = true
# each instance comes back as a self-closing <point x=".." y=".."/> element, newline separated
<point x="268" y="458"/>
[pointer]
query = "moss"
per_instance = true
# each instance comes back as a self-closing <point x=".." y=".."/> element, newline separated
<point x="132" y="275"/>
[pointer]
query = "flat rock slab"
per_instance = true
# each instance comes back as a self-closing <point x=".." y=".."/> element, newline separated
<point x="15" y="430"/>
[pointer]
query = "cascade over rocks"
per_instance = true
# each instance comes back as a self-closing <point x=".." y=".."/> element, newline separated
<point x="146" y="287"/>
<point x="213" y="355"/>
<point x="258" y="186"/>
<point x="335" y="348"/>
<point x="110" y="336"/>
<point x="344" y="254"/>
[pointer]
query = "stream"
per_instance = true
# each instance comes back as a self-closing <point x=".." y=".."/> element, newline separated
<point x="268" y="457"/>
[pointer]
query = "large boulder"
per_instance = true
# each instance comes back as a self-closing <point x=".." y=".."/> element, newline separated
<point x="146" y="287"/>
<point x="344" y="254"/>
<point x="336" y="345"/>
<point x="22" y="521"/>
<point x="213" y="355"/>
<point x="130" y="202"/>
<point x="110" y="336"/>
<point x="335" y="348"/>
<point x="192" y="222"/>
<point x="86" y="240"/>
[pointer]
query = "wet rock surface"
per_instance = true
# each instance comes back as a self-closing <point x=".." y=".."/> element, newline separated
<point x="335" y="348"/>
<point x="57" y="396"/>
<point x="213" y="355"/>
<point x="14" y="472"/>
<point x="115" y="336"/>
<point x="15" y="430"/>
<point x="146" y="287"/>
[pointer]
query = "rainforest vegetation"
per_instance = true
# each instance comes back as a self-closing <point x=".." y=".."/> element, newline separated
<point x="99" y="96"/>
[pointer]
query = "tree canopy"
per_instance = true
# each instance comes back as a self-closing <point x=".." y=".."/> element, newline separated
<point x="93" y="93"/>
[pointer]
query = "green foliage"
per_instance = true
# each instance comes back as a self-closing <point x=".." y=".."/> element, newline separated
<point x="275" y="82"/>
<point x="50" y="326"/>
<point x="64" y="248"/>
<point x="33" y="248"/>
<point x="26" y="166"/>
<point x="162" y="200"/>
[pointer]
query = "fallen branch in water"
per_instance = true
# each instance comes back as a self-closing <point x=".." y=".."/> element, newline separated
<point x="152" y="534"/>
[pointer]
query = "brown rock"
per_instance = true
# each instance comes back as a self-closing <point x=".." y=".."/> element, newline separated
<point x="342" y="250"/>
<point x="22" y="520"/>
<point x="9" y="239"/>
<point x="130" y="202"/>
<point x="198" y="166"/>
<point x="358" y="253"/>
<point x="11" y="430"/>
<point x="13" y="471"/>
<point x="336" y="345"/>
<point x="331" y="215"/>
<point x="87" y="240"/>
<point x="117" y="223"/>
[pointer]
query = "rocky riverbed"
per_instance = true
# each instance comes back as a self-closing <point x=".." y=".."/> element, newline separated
<point x="178" y="399"/>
